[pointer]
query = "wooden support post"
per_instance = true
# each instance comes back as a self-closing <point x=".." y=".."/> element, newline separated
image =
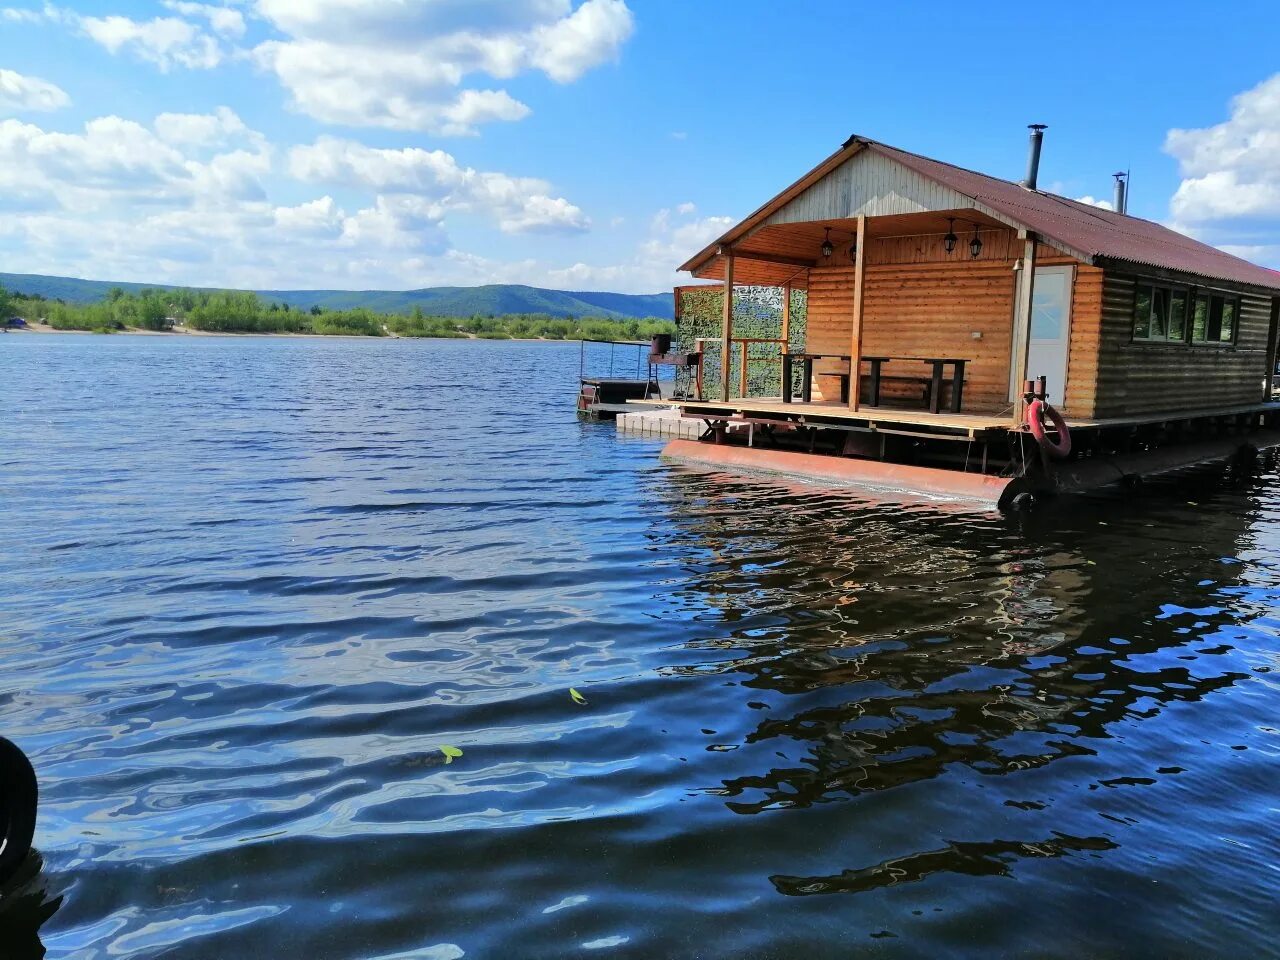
<point x="1273" y="341"/>
<point x="855" y="342"/>
<point x="742" y="371"/>
<point x="726" y="327"/>
<point x="1022" y="323"/>
<point x="785" y="336"/>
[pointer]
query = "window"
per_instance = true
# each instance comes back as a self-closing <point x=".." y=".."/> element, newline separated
<point x="1215" y="318"/>
<point x="1142" y="314"/>
<point x="1200" y="319"/>
<point x="1159" y="313"/>
<point x="1169" y="314"/>
<point x="1178" y="315"/>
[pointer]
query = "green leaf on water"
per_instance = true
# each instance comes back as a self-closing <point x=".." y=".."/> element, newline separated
<point x="450" y="753"/>
<point x="577" y="697"/>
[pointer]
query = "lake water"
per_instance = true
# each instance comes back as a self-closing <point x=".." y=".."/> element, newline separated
<point x="251" y="587"/>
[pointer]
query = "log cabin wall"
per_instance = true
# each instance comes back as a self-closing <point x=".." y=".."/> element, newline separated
<point x="920" y="301"/>
<point x="1086" y="332"/>
<point x="1136" y="378"/>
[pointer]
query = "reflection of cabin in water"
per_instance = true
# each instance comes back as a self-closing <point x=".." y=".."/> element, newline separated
<point x="934" y="294"/>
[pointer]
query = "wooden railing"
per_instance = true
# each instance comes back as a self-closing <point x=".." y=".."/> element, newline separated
<point x="744" y="343"/>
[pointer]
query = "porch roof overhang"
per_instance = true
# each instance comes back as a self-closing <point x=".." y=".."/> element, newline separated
<point x="781" y="253"/>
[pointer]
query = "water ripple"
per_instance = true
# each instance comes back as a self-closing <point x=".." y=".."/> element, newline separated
<point x="246" y="608"/>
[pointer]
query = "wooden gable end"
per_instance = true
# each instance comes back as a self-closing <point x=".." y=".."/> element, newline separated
<point x="872" y="184"/>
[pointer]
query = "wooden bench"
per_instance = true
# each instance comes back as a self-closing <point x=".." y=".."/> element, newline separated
<point x="935" y="383"/>
<point x="925" y="383"/>
<point x="844" y="383"/>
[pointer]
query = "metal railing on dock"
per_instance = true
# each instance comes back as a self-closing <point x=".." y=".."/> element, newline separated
<point x="640" y="346"/>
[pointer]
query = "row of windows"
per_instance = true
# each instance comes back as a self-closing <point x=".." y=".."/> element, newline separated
<point x="1181" y="314"/>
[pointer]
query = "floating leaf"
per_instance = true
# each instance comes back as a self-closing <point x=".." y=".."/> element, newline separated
<point x="450" y="753"/>
<point x="577" y="697"/>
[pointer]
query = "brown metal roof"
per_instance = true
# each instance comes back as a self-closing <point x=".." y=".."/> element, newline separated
<point x="1090" y="233"/>
<point x="1089" y="230"/>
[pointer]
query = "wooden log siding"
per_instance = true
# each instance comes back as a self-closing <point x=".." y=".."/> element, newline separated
<point x="1086" y="332"/>
<point x="1145" y="378"/>
<point x="923" y="302"/>
<point x="921" y="310"/>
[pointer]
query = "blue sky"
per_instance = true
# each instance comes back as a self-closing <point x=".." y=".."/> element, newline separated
<point x="583" y="144"/>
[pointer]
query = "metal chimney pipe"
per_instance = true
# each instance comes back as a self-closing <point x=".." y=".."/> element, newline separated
<point x="1033" y="158"/>
<point x="1120" y="200"/>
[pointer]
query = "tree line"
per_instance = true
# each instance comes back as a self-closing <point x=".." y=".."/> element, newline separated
<point x="233" y="311"/>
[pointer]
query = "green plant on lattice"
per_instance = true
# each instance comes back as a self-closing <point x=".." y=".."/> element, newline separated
<point x="757" y="315"/>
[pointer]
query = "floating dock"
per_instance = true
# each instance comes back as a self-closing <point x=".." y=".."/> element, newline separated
<point x="965" y="457"/>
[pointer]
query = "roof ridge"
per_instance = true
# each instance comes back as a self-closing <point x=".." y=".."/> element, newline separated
<point x="1088" y="208"/>
<point x="944" y="163"/>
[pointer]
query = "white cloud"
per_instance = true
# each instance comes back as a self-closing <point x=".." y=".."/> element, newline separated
<point x="115" y="162"/>
<point x="22" y="93"/>
<point x="21" y="15"/>
<point x="674" y="236"/>
<point x="315" y="218"/>
<point x="405" y="65"/>
<point x="402" y="90"/>
<point x="519" y="204"/>
<point x="164" y="41"/>
<point x="188" y="199"/>
<point x="403" y="223"/>
<point x="571" y="46"/>
<point x="1095" y="202"/>
<point x="203" y="129"/>
<point x="1230" y="191"/>
<point x="225" y="21"/>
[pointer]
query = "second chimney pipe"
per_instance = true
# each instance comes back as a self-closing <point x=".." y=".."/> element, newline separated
<point x="1120" y="201"/>
<point x="1033" y="158"/>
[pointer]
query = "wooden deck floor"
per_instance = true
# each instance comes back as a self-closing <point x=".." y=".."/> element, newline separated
<point x="907" y="420"/>
<point x="838" y="414"/>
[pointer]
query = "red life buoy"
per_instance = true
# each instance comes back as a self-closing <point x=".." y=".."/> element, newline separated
<point x="1037" y="412"/>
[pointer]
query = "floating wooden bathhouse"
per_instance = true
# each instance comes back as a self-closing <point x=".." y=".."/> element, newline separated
<point x="961" y="326"/>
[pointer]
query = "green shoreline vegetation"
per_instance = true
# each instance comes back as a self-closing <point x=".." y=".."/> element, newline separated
<point x="244" y="312"/>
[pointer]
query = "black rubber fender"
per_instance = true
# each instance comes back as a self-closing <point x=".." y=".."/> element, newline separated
<point x="18" y="799"/>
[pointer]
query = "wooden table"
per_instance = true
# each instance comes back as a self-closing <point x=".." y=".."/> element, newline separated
<point x="935" y="383"/>
<point x="806" y="383"/>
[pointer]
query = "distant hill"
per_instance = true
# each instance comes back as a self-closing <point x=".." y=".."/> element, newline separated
<point x="495" y="298"/>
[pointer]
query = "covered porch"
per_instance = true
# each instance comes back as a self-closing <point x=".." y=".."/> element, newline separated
<point x="911" y="313"/>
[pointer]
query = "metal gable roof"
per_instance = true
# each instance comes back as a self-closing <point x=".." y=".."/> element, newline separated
<point x="1090" y="233"/>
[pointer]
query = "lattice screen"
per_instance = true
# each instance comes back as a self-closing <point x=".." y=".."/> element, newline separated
<point x="757" y="314"/>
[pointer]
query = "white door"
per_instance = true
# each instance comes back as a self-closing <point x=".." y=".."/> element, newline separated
<point x="1050" y="330"/>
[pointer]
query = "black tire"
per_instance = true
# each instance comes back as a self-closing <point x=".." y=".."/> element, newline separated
<point x="18" y="796"/>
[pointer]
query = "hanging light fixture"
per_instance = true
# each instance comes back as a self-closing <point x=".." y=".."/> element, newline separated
<point x="975" y="245"/>
<point x="827" y="248"/>
<point x="853" y="250"/>
<point x="950" y="240"/>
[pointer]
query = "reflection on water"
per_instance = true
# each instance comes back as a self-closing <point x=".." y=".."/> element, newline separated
<point x="245" y="610"/>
